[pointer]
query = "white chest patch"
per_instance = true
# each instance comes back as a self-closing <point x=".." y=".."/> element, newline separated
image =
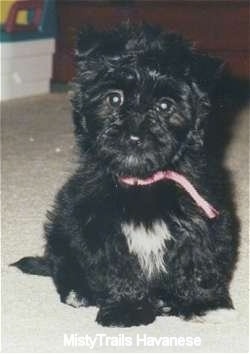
<point x="148" y="244"/>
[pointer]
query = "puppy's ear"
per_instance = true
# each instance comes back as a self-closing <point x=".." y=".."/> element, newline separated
<point x="206" y="70"/>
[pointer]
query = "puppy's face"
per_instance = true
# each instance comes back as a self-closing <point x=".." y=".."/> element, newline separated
<point x="136" y="100"/>
<point x="138" y="118"/>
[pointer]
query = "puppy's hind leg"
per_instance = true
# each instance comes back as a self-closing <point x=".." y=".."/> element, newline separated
<point x="70" y="283"/>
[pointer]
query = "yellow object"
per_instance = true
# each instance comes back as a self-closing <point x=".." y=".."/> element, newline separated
<point x="5" y="6"/>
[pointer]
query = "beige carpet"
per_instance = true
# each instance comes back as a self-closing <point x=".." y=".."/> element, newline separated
<point x="37" y="157"/>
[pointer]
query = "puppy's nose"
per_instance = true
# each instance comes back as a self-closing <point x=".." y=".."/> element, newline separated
<point x="134" y="139"/>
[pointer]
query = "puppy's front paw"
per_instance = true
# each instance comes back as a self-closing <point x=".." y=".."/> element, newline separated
<point x="75" y="300"/>
<point x="125" y="315"/>
<point x="184" y="312"/>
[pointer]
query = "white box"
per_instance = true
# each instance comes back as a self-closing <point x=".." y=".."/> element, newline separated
<point x="26" y="67"/>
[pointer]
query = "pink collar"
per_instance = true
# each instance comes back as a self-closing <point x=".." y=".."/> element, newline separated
<point x="209" y="210"/>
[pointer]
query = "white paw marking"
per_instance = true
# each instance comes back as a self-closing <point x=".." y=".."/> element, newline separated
<point x="153" y="73"/>
<point x="73" y="300"/>
<point x="148" y="244"/>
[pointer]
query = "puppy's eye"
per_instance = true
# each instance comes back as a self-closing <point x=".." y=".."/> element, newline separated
<point x="165" y="105"/>
<point x="115" y="98"/>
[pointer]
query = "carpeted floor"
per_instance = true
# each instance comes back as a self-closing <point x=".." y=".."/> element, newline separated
<point x="37" y="157"/>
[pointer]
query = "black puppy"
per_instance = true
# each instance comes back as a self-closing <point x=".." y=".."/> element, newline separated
<point x="143" y="228"/>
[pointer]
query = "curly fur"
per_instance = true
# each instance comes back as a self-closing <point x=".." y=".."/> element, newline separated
<point x="89" y="255"/>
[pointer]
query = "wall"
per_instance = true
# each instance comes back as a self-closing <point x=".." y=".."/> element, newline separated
<point x="218" y="27"/>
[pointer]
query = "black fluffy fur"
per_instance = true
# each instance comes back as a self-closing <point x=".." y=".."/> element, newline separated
<point x="86" y="250"/>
